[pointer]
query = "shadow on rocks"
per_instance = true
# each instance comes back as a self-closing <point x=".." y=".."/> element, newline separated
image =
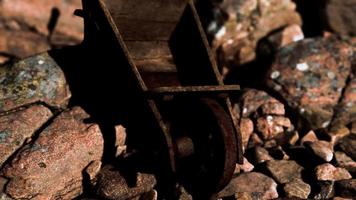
<point x="101" y="84"/>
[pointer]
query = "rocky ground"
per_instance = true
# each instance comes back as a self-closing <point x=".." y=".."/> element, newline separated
<point x="296" y="63"/>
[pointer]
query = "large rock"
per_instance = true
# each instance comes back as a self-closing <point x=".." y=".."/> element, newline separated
<point x="31" y="27"/>
<point x="310" y="75"/>
<point x="327" y="172"/>
<point x="247" y="22"/>
<point x="35" y="79"/>
<point x="340" y="16"/>
<point x="20" y="41"/>
<point x="261" y="155"/>
<point x="259" y="186"/>
<point x="112" y="185"/>
<point x="338" y="133"/>
<point x="51" y="166"/>
<point x="297" y="189"/>
<point x="322" y="149"/>
<point x="289" y="34"/>
<point x="17" y="127"/>
<point x="344" y="161"/>
<point x="346" y="110"/>
<point x="37" y="14"/>
<point x="284" y="171"/>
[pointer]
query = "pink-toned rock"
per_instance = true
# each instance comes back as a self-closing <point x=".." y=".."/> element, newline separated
<point x="243" y="196"/>
<point x="270" y="144"/>
<point x="112" y="185"/>
<point x="183" y="194"/>
<point x="254" y="141"/>
<point x="120" y="134"/>
<point x="267" y="113"/>
<point x="23" y="43"/>
<point x="246" y="130"/>
<point x="4" y="59"/>
<point x="247" y="22"/>
<point x="271" y="126"/>
<point x="51" y="166"/>
<point x="293" y="137"/>
<point x="245" y="167"/>
<point x="258" y="185"/>
<point x="327" y="172"/>
<point x="284" y="171"/>
<point x="252" y="100"/>
<point x="261" y="155"/>
<point x="341" y="198"/>
<point x="339" y="16"/>
<point x="24" y="26"/>
<point x="344" y="161"/>
<point x="273" y="108"/>
<point x="290" y="34"/>
<point x="338" y="134"/>
<point x="92" y="170"/>
<point x="153" y="195"/>
<point x="322" y="149"/>
<point x="353" y="127"/>
<point x="310" y="75"/>
<point x="17" y="127"/>
<point x="37" y="14"/>
<point x="297" y="189"/>
<point x="309" y="137"/>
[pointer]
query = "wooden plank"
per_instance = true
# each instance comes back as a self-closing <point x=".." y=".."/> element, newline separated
<point x="149" y="10"/>
<point x="148" y="49"/>
<point x="146" y="19"/>
<point x="156" y="65"/>
<point x="160" y="79"/>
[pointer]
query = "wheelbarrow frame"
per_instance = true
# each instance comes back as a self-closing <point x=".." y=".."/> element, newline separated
<point x="201" y="77"/>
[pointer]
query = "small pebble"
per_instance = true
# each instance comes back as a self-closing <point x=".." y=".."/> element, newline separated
<point x="298" y="37"/>
<point x="220" y="33"/>
<point x="275" y="74"/>
<point x="40" y="62"/>
<point x="331" y="75"/>
<point x="302" y="67"/>
<point x="325" y="124"/>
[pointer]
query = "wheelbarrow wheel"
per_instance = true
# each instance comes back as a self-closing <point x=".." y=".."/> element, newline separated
<point x="206" y="147"/>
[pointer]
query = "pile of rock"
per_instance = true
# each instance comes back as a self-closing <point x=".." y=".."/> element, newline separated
<point x="283" y="161"/>
<point x="240" y="24"/>
<point x="50" y="151"/>
<point x="298" y="129"/>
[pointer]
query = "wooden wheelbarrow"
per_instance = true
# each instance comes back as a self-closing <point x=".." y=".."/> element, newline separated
<point x="163" y="45"/>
